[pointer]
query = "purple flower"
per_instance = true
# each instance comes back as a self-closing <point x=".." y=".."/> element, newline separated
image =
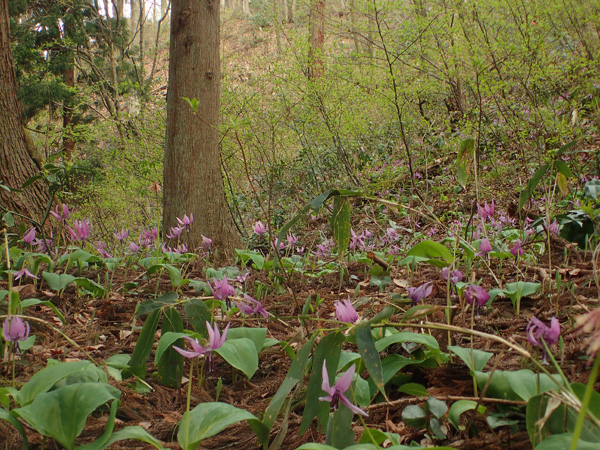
<point x="486" y="211"/>
<point x="215" y="341"/>
<point x="121" y="235"/>
<point x="23" y="272"/>
<point x="417" y="294"/>
<point x="335" y="393"/>
<point x="206" y="243"/>
<point x="222" y="290"/>
<point x="485" y="246"/>
<point x="186" y="222"/>
<point x="538" y="333"/>
<point x="476" y="295"/>
<point x="391" y="235"/>
<point x="62" y="213"/>
<point x="357" y="242"/>
<point x="102" y="250"/>
<point x="29" y="236"/>
<point x="291" y="239"/>
<point x="259" y="228"/>
<point x="133" y="247"/>
<point x="517" y="250"/>
<point x="252" y="306"/>
<point x="42" y="244"/>
<point x="175" y="232"/>
<point x="80" y="230"/>
<point x="324" y="248"/>
<point x="147" y="237"/>
<point x="241" y="278"/>
<point x="553" y="228"/>
<point x="15" y="330"/>
<point x="345" y="312"/>
<point x="454" y="275"/>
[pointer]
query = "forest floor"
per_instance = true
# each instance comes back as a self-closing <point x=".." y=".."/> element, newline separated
<point x="103" y="327"/>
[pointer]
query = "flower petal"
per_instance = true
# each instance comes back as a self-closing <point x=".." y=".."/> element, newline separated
<point x="355" y="409"/>
<point x="343" y="383"/>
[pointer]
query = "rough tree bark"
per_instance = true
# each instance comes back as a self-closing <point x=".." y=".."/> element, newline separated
<point x="16" y="164"/>
<point x="193" y="181"/>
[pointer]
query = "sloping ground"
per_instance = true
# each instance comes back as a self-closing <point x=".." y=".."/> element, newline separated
<point x="102" y="328"/>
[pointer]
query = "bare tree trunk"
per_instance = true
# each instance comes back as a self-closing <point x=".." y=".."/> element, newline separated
<point x="246" y="7"/>
<point x="291" y="8"/>
<point x="317" y="39"/>
<point x="277" y="18"/>
<point x="16" y="164"/>
<point x="193" y="181"/>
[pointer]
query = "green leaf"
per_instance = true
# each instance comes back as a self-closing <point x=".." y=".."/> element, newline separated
<point x="458" y="408"/>
<point x="341" y="434"/>
<point x="198" y="314"/>
<point x="414" y="416"/>
<point x="407" y="336"/>
<point x="34" y="302"/>
<point x="256" y="335"/>
<point x="174" y="272"/>
<point x="526" y="383"/>
<point x="340" y="223"/>
<point x="135" y="433"/>
<point x="437" y="407"/>
<point x="432" y="249"/>
<point x="57" y="282"/>
<point x="516" y="291"/>
<point x="170" y="365"/>
<point x="392" y="364"/>
<point x="62" y="413"/>
<point x="206" y="420"/>
<point x="94" y="289"/>
<point x="563" y="441"/>
<point x="464" y="161"/>
<point x="7" y="416"/>
<point x="329" y="350"/>
<point x="370" y="355"/>
<point x="143" y="347"/>
<point x="256" y="257"/>
<point x="166" y="341"/>
<point x="414" y="389"/>
<point x="240" y="353"/>
<point x="8" y="219"/>
<point x="478" y="360"/>
<point x="46" y="378"/>
<point x="532" y="184"/>
<point x="102" y="442"/>
<point x="294" y="375"/>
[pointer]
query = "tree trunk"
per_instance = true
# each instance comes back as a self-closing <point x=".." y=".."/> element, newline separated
<point x="193" y="181"/>
<point x="291" y="8"/>
<point x="317" y="39"/>
<point x="16" y="164"/>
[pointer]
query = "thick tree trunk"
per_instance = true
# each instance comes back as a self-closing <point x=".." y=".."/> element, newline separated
<point x="16" y="164"/>
<point x="193" y="182"/>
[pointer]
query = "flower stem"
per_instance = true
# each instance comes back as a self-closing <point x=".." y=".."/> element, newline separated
<point x="187" y="405"/>
<point x="587" y="396"/>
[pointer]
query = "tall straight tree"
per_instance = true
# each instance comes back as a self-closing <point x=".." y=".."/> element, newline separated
<point x="193" y="181"/>
<point x="16" y="163"/>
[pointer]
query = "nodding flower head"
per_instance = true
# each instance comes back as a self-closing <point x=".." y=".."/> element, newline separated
<point x="336" y="393"/>
<point x="538" y="333"/>
<point x="345" y="312"/>
<point x="418" y="294"/>
<point x="476" y="295"/>
<point x="259" y="228"/>
<point x="62" y="212"/>
<point x="15" y="330"/>
<point x="186" y="222"/>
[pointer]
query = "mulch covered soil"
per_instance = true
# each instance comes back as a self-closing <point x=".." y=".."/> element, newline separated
<point x="103" y="327"/>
